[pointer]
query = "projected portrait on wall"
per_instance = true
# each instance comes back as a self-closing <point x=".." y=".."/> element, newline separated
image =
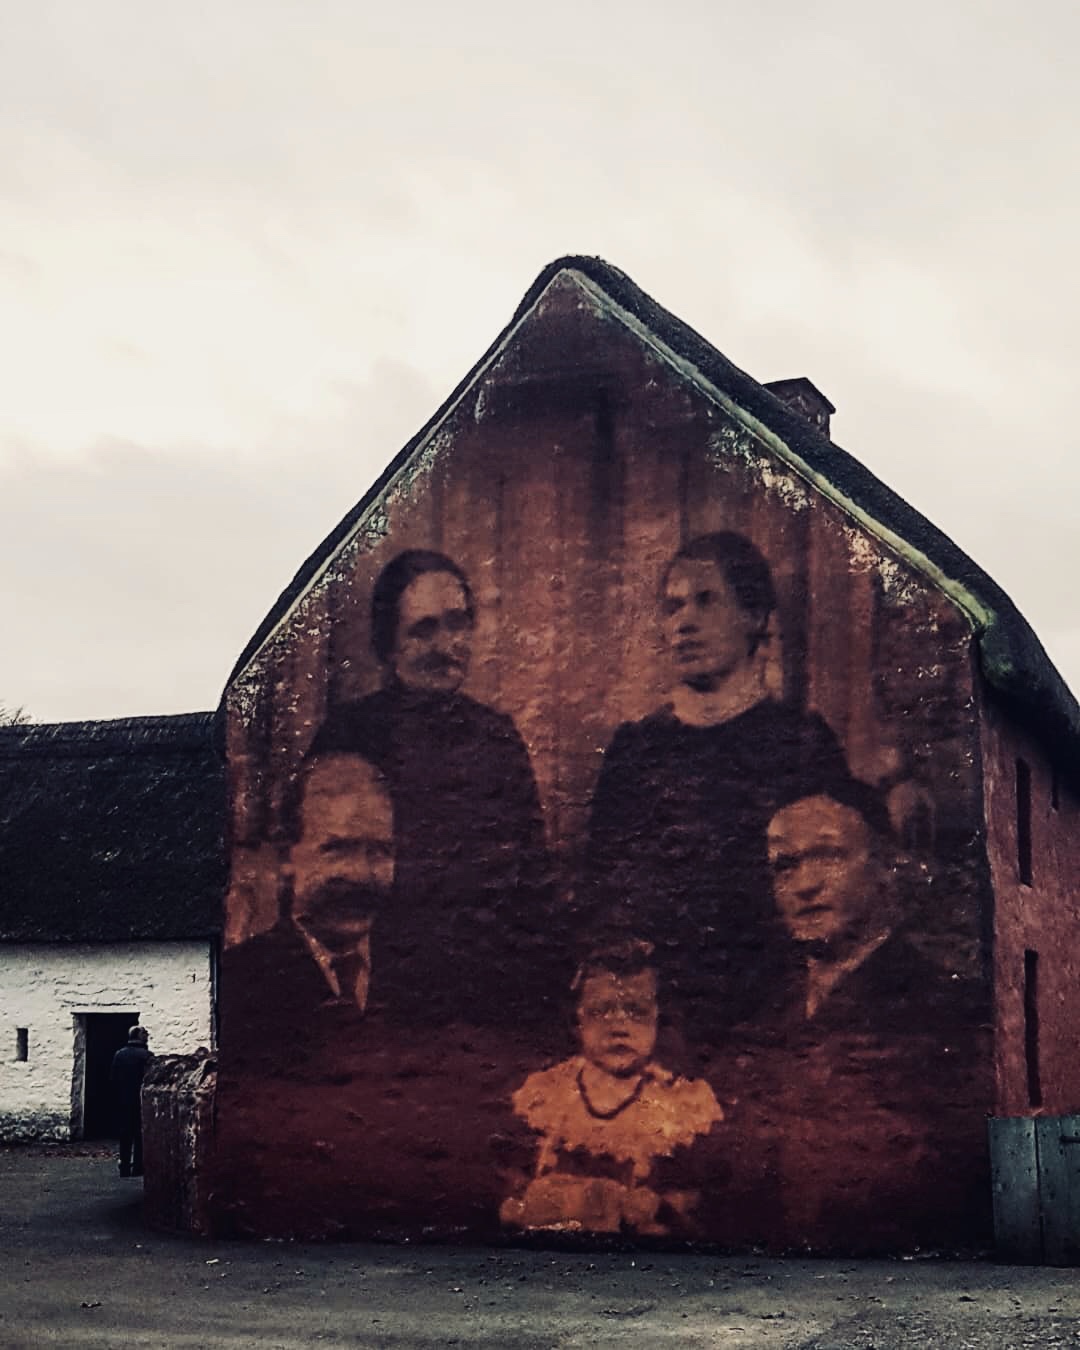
<point x="472" y="877"/>
<point x="676" y="843"/>
<point x="593" y="683"/>
<point x="623" y="1145"/>
<point x="296" y="994"/>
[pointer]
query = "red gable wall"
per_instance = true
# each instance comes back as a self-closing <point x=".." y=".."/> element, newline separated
<point x="1037" y="1013"/>
<point x="558" y="801"/>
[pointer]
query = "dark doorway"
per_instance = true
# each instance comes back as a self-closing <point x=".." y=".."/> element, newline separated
<point x="105" y="1034"/>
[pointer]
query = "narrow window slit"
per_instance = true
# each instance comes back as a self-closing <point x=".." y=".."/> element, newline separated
<point x="22" y="1043"/>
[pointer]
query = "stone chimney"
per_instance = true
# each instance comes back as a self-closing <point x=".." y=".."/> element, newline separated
<point x="806" y="399"/>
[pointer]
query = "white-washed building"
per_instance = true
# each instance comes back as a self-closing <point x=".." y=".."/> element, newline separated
<point x="111" y="879"/>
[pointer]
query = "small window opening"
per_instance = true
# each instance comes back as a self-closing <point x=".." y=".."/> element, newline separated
<point x="22" y="1043"/>
<point x="1031" y="1028"/>
<point x="1023" y="821"/>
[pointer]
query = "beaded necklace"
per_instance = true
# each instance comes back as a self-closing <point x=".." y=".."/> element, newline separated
<point x="615" y="1111"/>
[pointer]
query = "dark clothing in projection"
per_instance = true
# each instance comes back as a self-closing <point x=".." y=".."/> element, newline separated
<point x="896" y="996"/>
<point x="467" y="934"/>
<point x="876" y="1100"/>
<point x="902" y="1024"/>
<point x="385" y="1136"/>
<point x="276" y="1012"/>
<point x="337" y="1122"/>
<point x="677" y="853"/>
<point x="126" y="1076"/>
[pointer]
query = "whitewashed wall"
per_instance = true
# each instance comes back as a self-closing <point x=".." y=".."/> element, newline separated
<point x="43" y="986"/>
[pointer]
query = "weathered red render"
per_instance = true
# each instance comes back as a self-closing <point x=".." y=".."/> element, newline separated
<point x="1043" y="917"/>
<point x="562" y="482"/>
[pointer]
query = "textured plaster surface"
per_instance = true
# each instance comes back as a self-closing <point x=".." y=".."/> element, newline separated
<point x="750" y="440"/>
<point x="1043" y="917"/>
<point x="583" y="460"/>
<point x="43" y="988"/>
<point x="978" y="613"/>
<point x="177" y="1116"/>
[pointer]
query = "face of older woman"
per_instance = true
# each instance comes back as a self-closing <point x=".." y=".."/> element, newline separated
<point x="433" y="638"/>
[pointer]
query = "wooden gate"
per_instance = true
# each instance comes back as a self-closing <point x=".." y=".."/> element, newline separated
<point x="1035" y="1167"/>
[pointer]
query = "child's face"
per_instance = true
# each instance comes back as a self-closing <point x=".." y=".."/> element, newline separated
<point x="617" y="1021"/>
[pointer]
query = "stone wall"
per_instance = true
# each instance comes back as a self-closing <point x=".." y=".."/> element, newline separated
<point x="44" y="988"/>
<point x="178" y="1122"/>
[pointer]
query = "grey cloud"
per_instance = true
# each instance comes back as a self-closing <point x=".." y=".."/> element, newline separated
<point x="143" y="574"/>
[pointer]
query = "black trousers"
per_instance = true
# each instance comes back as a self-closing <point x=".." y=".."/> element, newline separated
<point x="131" y="1142"/>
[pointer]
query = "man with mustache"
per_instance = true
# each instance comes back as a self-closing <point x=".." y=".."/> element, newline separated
<point x="312" y="972"/>
<point x="338" y="1114"/>
<point x="468" y="927"/>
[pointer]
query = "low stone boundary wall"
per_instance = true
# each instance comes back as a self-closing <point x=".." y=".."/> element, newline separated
<point x="178" y="1126"/>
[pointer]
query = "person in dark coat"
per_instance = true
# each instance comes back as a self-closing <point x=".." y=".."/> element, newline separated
<point x="877" y="1058"/>
<point x="126" y="1076"/>
<point x="469" y="932"/>
<point x="676" y="845"/>
<point x="334" y="1118"/>
<point x="302" y="988"/>
<point x="838" y="890"/>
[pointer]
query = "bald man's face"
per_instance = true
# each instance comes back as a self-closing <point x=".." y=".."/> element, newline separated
<point x="826" y="876"/>
<point x="343" y="863"/>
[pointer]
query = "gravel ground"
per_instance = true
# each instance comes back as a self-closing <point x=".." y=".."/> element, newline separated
<point x="79" y="1270"/>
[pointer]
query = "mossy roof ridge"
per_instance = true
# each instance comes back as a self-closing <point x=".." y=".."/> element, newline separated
<point x="112" y="831"/>
<point x="1012" y="658"/>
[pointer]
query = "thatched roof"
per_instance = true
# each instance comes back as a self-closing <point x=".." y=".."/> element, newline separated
<point x="111" y="831"/>
<point x="1013" y="660"/>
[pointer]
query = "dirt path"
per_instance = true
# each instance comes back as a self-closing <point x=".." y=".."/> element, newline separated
<point x="78" y="1270"/>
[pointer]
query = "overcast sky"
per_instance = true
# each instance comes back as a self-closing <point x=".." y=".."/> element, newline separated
<point x="247" y="247"/>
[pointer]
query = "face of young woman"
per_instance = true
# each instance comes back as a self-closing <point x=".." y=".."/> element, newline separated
<point x="709" y="634"/>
